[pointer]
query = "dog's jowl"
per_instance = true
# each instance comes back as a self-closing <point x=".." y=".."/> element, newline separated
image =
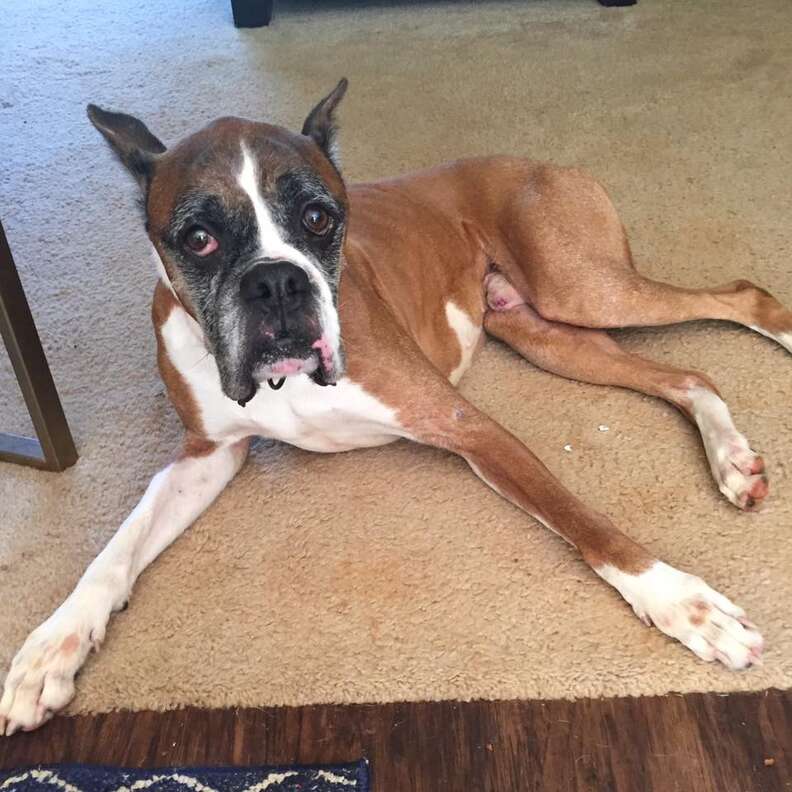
<point x="334" y="317"/>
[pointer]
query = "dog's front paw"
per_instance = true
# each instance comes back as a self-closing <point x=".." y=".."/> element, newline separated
<point x="686" y="608"/>
<point x="41" y="679"/>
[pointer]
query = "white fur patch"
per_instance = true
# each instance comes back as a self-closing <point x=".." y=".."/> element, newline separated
<point x="785" y="339"/>
<point x="41" y="680"/>
<point x="730" y="457"/>
<point x="686" y="608"/>
<point x="271" y="243"/>
<point x="468" y="334"/>
<point x="273" y="246"/>
<point x="331" y="418"/>
<point x="161" y="272"/>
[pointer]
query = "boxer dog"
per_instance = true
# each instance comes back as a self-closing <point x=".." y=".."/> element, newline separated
<point x="334" y="316"/>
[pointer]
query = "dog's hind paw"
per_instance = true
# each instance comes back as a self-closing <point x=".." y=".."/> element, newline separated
<point x="740" y="475"/>
<point x="738" y="471"/>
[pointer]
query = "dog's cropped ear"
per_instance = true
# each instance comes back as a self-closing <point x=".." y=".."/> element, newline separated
<point x="320" y="124"/>
<point x="131" y="140"/>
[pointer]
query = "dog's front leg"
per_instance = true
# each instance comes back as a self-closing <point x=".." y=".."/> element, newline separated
<point x="681" y="605"/>
<point x="41" y="678"/>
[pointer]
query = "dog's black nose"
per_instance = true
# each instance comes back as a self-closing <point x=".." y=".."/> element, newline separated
<point x="276" y="285"/>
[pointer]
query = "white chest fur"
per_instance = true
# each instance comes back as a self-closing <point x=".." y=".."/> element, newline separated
<point x="301" y="413"/>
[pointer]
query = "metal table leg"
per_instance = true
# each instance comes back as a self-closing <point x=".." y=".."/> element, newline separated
<point x="54" y="448"/>
<point x="252" y="13"/>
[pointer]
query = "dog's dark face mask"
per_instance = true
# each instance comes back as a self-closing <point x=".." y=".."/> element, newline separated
<point x="248" y="220"/>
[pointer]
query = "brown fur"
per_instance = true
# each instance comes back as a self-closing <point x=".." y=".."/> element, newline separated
<point x="416" y="242"/>
<point x="179" y="391"/>
<point x="210" y="159"/>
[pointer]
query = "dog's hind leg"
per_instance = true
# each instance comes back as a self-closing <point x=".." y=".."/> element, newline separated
<point x="593" y="356"/>
<point x="635" y="301"/>
<point x="566" y="251"/>
<point x="41" y="679"/>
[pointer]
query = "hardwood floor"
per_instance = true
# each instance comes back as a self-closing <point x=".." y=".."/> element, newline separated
<point x="693" y="743"/>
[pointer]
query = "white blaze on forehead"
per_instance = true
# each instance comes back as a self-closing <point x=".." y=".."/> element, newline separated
<point x="270" y="241"/>
<point x="273" y="246"/>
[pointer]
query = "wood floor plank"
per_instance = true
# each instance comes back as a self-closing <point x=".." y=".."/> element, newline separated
<point x="701" y="742"/>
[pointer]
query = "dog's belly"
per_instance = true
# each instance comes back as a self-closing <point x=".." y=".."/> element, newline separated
<point x="302" y="413"/>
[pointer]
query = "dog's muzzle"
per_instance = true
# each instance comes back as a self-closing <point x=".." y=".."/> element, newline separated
<point x="288" y="338"/>
<point x="277" y="289"/>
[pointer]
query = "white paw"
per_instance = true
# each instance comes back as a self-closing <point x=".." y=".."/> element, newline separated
<point x="686" y="608"/>
<point x="41" y="678"/>
<point x="739" y="472"/>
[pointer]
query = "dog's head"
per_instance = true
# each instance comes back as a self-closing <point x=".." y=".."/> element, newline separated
<point x="248" y="220"/>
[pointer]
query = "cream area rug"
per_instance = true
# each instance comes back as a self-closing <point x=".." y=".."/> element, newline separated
<point x="392" y="573"/>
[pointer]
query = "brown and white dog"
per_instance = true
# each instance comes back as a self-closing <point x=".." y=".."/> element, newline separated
<point x="335" y="317"/>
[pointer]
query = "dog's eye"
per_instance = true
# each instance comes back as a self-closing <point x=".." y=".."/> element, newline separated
<point x="316" y="220"/>
<point x="200" y="241"/>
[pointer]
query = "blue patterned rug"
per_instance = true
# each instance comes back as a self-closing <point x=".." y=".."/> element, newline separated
<point x="85" y="778"/>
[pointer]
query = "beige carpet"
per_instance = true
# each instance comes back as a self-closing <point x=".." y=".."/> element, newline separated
<point x="392" y="573"/>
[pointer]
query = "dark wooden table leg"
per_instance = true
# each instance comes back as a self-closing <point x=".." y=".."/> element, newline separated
<point x="54" y="448"/>
<point x="252" y="13"/>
